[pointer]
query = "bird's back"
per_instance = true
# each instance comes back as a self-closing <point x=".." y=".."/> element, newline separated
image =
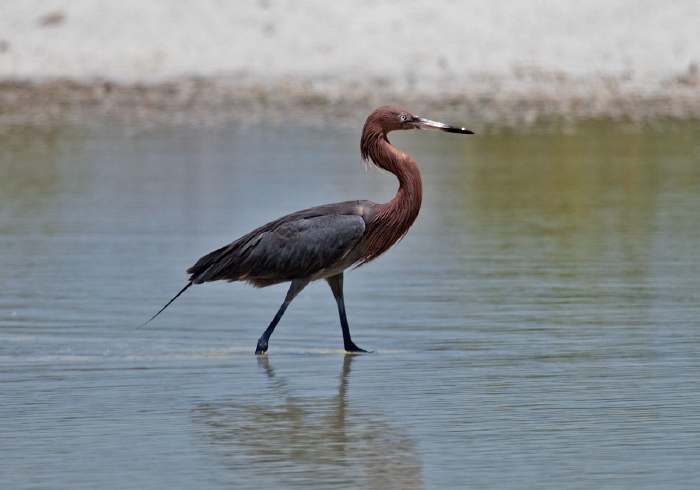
<point x="313" y="243"/>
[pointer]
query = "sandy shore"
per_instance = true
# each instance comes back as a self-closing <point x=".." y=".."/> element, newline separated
<point x="490" y="62"/>
<point x="212" y="101"/>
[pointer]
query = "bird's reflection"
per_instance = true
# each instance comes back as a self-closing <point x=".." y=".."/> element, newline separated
<point x="285" y="436"/>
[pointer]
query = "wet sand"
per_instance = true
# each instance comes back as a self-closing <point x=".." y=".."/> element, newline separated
<point x="217" y="101"/>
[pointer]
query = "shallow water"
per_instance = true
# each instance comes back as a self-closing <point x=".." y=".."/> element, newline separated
<point x="537" y="328"/>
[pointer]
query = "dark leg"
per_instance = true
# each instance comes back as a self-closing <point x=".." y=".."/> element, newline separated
<point x="294" y="289"/>
<point x="336" y="284"/>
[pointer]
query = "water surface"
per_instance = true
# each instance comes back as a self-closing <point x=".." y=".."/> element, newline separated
<point x="537" y="328"/>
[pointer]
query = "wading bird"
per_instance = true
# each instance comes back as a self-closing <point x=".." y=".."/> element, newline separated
<point x="321" y="242"/>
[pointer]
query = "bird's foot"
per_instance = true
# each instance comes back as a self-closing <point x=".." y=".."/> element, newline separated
<point x="261" y="348"/>
<point x="353" y="349"/>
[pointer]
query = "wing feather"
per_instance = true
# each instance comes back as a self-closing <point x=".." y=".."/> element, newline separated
<point x="299" y="245"/>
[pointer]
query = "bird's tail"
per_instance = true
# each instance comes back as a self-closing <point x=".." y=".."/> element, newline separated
<point x="168" y="304"/>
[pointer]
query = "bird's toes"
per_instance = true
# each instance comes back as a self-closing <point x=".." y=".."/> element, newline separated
<point x="353" y="349"/>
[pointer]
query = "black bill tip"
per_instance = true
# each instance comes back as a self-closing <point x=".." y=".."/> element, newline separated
<point x="450" y="129"/>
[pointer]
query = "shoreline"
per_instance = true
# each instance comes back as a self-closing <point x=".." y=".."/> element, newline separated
<point x="488" y="63"/>
<point x="528" y="100"/>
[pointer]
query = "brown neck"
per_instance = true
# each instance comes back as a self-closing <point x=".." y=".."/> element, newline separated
<point x="394" y="218"/>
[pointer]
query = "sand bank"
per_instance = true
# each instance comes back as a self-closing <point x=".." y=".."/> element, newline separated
<point x="211" y="61"/>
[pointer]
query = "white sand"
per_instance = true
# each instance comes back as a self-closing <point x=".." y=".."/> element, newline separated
<point x="408" y="42"/>
<point x="511" y="61"/>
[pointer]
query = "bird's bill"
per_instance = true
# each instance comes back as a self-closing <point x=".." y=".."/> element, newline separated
<point x="421" y="123"/>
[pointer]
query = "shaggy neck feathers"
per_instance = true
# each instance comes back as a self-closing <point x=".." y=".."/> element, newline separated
<point x="393" y="219"/>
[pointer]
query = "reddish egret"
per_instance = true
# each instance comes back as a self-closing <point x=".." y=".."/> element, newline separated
<point x="321" y="242"/>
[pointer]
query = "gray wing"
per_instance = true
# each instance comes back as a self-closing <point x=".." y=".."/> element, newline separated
<point x="286" y="250"/>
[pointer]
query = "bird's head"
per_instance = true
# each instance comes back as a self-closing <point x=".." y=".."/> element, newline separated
<point x="391" y="118"/>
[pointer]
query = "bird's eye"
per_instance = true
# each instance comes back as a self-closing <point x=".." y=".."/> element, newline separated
<point x="402" y="117"/>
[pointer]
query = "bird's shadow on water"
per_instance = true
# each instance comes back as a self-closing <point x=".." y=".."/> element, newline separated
<point x="283" y="435"/>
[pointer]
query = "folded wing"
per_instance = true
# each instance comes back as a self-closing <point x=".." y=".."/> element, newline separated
<point x="296" y="246"/>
